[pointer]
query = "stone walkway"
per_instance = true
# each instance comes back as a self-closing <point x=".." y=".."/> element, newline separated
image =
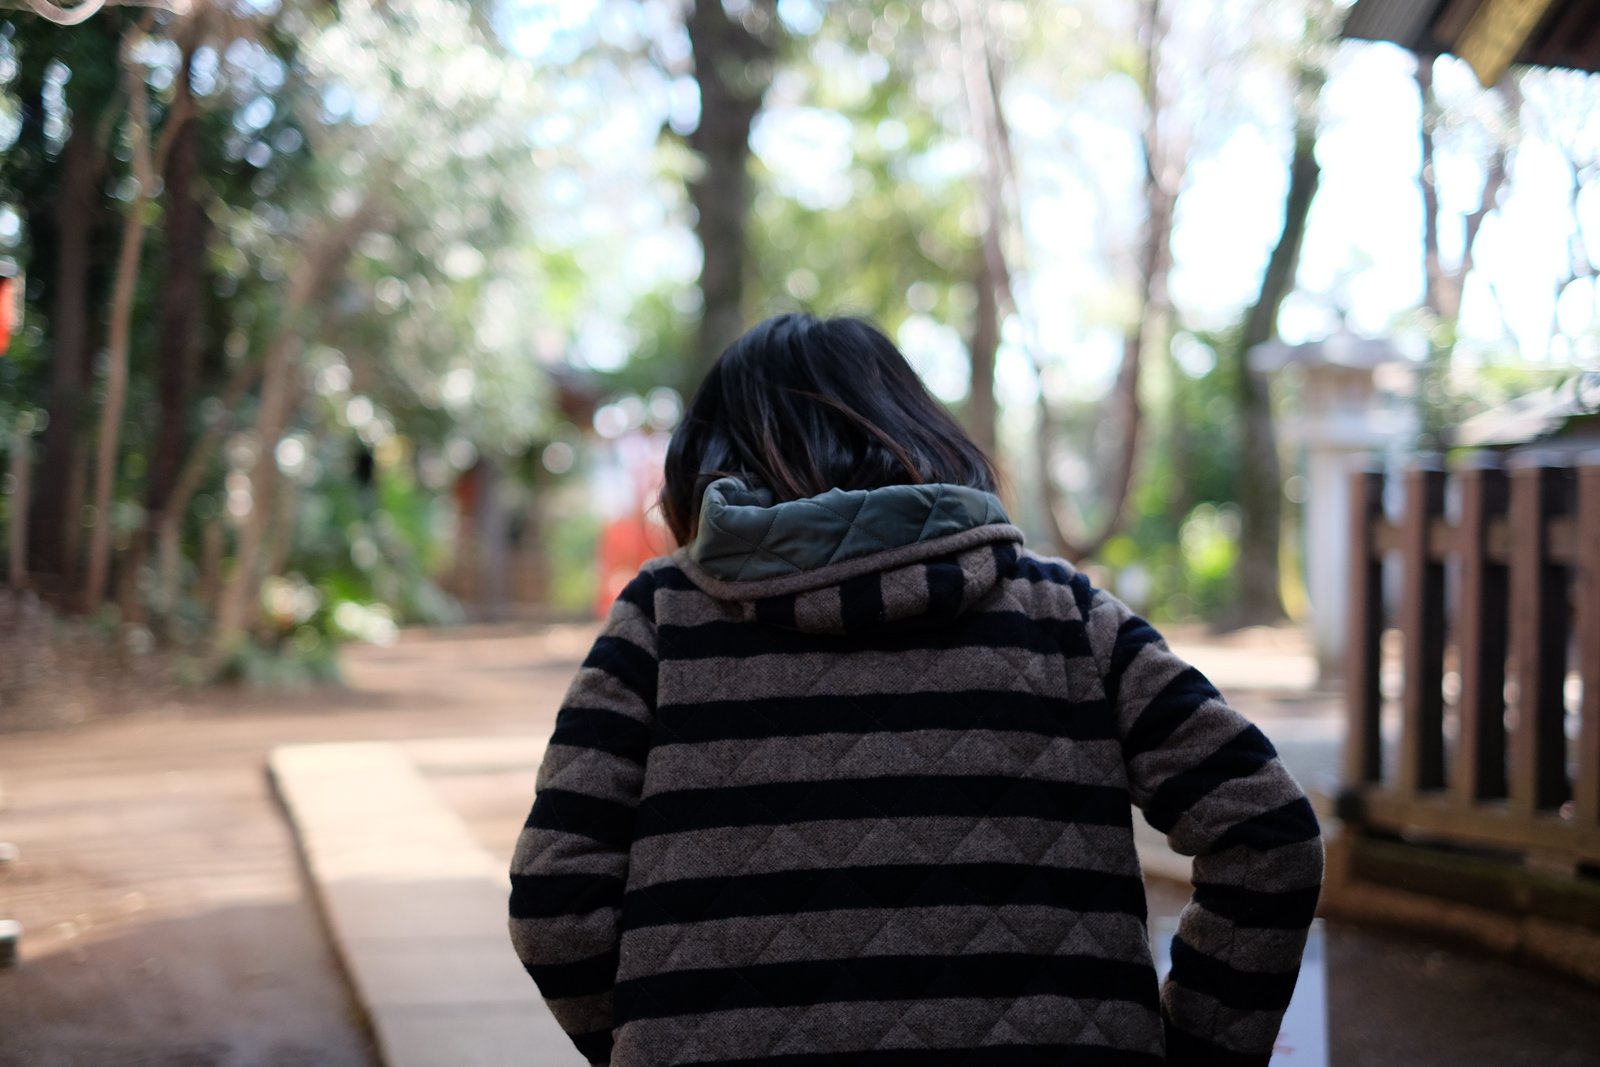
<point x="416" y="907"/>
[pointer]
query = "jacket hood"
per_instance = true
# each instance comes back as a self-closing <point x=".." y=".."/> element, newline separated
<point x="848" y="558"/>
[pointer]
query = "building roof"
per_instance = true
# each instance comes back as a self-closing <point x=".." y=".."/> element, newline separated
<point x="1572" y="407"/>
<point x="1489" y="34"/>
<point x="1340" y="349"/>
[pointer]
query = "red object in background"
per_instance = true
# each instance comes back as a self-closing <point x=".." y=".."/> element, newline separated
<point x="8" y="312"/>
<point x="634" y="537"/>
<point x="625" y="545"/>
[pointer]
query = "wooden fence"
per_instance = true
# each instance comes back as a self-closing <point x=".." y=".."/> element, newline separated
<point x="1498" y="607"/>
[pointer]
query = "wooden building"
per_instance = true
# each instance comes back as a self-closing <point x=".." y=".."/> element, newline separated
<point x="1471" y="786"/>
<point x="1491" y="35"/>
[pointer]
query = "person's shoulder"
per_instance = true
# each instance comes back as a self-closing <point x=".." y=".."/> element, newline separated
<point x="1050" y="584"/>
<point x="661" y="573"/>
<point x="640" y="592"/>
<point x="666" y="572"/>
<point x="1052" y="588"/>
<point x="1036" y="567"/>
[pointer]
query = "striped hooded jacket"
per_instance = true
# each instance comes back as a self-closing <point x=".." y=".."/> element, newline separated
<point x="850" y="781"/>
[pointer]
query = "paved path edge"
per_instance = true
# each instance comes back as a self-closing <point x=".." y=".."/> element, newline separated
<point x="415" y="911"/>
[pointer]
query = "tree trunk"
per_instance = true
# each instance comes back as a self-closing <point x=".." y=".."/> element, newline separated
<point x="213" y="542"/>
<point x="733" y="66"/>
<point x="169" y="561"/>
<point x="492" y="526"/>
<point x="55" y="518"/>
<point x="178" y="348"/>
<point x="17" y="524"/>
<point x="1441" y="340"/>
<point x="1259" y="491"/>
<point x="982" y="346"/>
<point x="237" y="602"/>
<point x="135" y="223"/>
<point x="116" y="395"/>
<point x="73" y="506"/>
<point x="182" y="296"/>
<point x="535" y="548"/>
<point x="281" y="538"/>
<point x="169" y="532"/>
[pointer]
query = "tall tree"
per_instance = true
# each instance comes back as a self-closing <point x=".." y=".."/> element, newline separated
<point x="1259" y="489"/>
<point x="1443" y="283"/>
<point x="992" y="279"/>
<point x="983" y="342"/>
<point x="734" y="55"/>
<point x="148" y="161"/>
<point x="182" y="303"/>
<point x="60" y="190"/>
<point x="77" y="210"/>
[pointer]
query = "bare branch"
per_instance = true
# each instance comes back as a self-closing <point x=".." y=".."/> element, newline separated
<point x="1163" y="175"/>
<point x="983" y="108"/>
<point x="1493" y="180"/>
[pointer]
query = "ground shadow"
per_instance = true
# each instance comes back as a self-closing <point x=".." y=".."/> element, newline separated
<point x="246" y="986"/>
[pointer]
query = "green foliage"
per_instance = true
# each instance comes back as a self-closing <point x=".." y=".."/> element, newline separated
<point x="1492" y="384"/>
<point x="412" y="344"/>
<point x="894" y="233"/>
<point x="306" y="658"/>
<point x="369" y="541"/>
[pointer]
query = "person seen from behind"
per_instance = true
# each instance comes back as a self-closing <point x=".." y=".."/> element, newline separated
<point x="848" y="778"/>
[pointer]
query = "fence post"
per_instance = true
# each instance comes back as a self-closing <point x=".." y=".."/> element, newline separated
<point x="1422" y="624"/>
<point x="1479" y="771"/>
<point x="1586" y="583"/>
<point x="1539" y="492"/>
<point x="1363" y="754"/>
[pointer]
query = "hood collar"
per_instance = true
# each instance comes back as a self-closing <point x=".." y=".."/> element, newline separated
<point x="808" y="564"/>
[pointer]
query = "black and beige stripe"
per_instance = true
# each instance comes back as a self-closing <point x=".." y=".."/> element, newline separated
<point x="887" y="821"/>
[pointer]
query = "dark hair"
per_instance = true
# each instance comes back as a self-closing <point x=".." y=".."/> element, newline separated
<point x="800" y="405"/>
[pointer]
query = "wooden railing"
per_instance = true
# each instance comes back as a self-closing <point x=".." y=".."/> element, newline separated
<point x="1507" y="590"/>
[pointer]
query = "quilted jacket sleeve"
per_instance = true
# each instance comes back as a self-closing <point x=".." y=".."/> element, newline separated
<point x="1208" y="779"/>
<point x="571" y="860"/>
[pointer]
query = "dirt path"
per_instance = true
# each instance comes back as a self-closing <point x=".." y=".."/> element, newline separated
<point x="167" y="921"/>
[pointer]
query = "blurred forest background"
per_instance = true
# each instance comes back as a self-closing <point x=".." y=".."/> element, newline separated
<point x="326" y="318"/>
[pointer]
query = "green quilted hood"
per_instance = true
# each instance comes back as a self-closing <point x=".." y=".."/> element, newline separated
<point x="750" y="549"/>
